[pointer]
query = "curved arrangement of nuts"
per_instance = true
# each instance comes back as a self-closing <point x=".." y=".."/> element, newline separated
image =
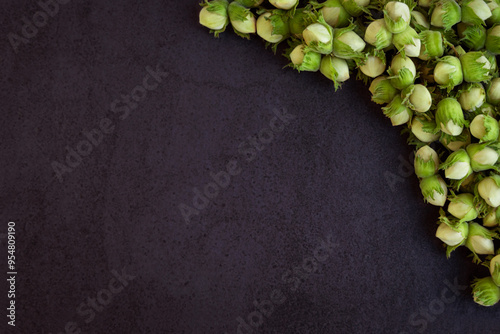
<point x="441" y="83"/>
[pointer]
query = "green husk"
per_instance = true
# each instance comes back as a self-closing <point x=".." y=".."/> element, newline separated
<point x="474" y="67"/>
<point x="218" y="8"/>
<point x="472" y="36"/>
<point x="451" y="14"/>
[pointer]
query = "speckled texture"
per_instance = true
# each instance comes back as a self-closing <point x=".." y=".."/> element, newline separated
<point x="323" y="177"/>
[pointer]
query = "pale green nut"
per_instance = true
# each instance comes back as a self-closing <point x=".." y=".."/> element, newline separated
<point x="319" y="37"/>
<point x="476" y="66"/>
<point x="272" y="28"/>
<point x="454" y="143"/>
<point x="475" y="12"/>
<point x="214" y="15"/>
<point x="472" y="97"/>
<point x="284" y="4"/>
<point x="489" y="190"/>
<point x="355" y="7"/>
<point x="448" y="72"/>
<point x="482" y="157"/>
<point x="347" y="44"/>
<point x="299" y="21"/>
<point x="242" y="19"/>
<point x="450" y="117"/>
<point x="452" y="236"/>
<point x="434" y="190"/>
<point x="373" y="66"/>
<point x="485" y="292"/>
<point x="335" y="14"/>
<point x="472" y="36"/>
<point x="408" y="42"/>
<point x="397" y="16"/>
<point x="378" y="35"/>
<point x="493" y="40"/>
<point x="492" y="218"/>
<point x="457" y="166"/>
<point x="494" y="6"/>
<point x="462" y="207"/>
<point x="424" y="129"/>
<point x="417" y="97"/>
<point x="397" y="112"/>
<point x="480" y="240"/>
<point x="335" y="69"/>
<point x="485" y="128"/>
<point x="419" y="21"/>
<point x="445" y="14"/>
<point x="403" y="71"/>
<point x="493" y="93"/>
<point x="432" y="44"/>
<point x="495" y="269"/>
<point x="426" y="162"/>
<point x="382" y="91"/>
<point x="305" y="60"/>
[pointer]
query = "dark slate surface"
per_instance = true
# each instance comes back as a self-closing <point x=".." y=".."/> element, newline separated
<point x="310" y="229"/>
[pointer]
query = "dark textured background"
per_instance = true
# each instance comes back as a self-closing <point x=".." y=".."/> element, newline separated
<point x="324" y="176"/>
